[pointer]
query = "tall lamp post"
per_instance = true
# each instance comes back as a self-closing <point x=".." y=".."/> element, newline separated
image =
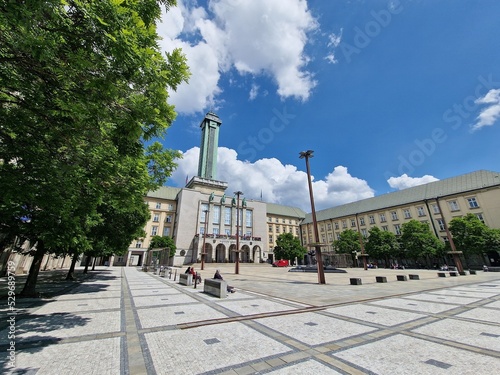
<point x="237" y="263"/>
<point x="454" y="253"/>
<point x="321" y="272"/>
<point x="203" y="253"/>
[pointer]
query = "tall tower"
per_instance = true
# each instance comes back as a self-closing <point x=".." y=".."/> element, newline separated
<point x="207" y="164"/>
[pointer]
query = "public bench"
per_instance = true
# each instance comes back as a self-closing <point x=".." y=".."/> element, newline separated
<point x="453" y="273"/>
<point x="381" y="279"/>
<point x="441" y="274"/>
<point x="414" y="277"/>
<point x="215" y="287"/>
<point x="355" y="281"/>
<point x="472" y="272"/>
<point x="186" y="279"/>
<point x="401" y="277"/>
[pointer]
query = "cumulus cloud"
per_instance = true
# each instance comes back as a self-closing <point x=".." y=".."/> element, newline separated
<point x="491" y="113"/>
<point x="258" y="37"/>
<point x="278" y="183"/>
<point x="404" y="181"/>
<point x="334" y="41"/>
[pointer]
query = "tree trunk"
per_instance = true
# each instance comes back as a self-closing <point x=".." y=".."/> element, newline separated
<point x="93" y="263"/>
<point x="87" y="262"/>
<point x="29" y="289"/>
<point x="71" y="272"/>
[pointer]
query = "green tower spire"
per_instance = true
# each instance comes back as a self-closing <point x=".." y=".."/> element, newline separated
<point x="207" y="164"/>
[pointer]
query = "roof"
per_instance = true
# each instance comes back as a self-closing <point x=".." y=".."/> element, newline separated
<point x="450" y="186"/>
<point x="278" y="209"/>
<point x="165" y="192"/>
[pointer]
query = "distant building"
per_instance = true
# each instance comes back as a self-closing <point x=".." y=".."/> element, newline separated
<point x="435" y="203"/>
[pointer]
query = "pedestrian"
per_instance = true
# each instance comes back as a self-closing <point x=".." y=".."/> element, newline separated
<point x="218" y="276"/>
<point x="196" y="275"/>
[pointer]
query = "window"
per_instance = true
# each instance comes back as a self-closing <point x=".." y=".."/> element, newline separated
<point x="364" y="232"/>
<point x="216" y="215"/>
<point x="385" y="228"/>
<point x="480" y="217"/>
<point x="337" y="225"/>
<point x="338" y="236"/>
<point x="407" y="213"/>
<point x="372" y="219"/>
<point x="283" y="221"/>
<point x="397" y="229"/>
<point x="156" y="217"/>
<point x="453" y="206"/>
<point x="296" y="231"/>
<point x="249" y="233"/>
<point x="382" y="218"/>
<point x="215" y="231"/>
<point x="362" y="220"/>
<point x="248" y="216"/>
<point x="440" y="223"/>
<point x="322" y="229"/>
<point x="270" y="228"/>
<point x="168" y="219"/>
<point x="420" y="211"/>
<point x="154" y="230"/>
<point x="290" y="221"/>
<point x="435" y="208"/>
<point x="203" y="216"/>
<point x="329" y="226"/>
<point x="202" y="230"/>
<point x="269" y="219"/>
<point x="166" y="231"/>
<point x="277" y="220"/>
<point x="158" y="205"/>
<point x="277" y="228"/>
<point x="330" y="237"/>
<point x="227" y="215"/>
<point x="138" y="244"/>
<point x="271" y="239"/>
<point x="472" y="202"/>
<point x="353" y="222"/>
<point x="228" y="232"/>
<point x="394" y="215"/>
<point x="344" y="224"/>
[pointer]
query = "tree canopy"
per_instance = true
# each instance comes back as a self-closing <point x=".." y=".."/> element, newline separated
<point x="347" y="243"/>
<point x="417" y="240"/>
<point x="288" y="247"/>
<point x="83" y="95"/>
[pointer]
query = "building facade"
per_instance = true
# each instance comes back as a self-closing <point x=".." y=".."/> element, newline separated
<point x="435" y="203"/>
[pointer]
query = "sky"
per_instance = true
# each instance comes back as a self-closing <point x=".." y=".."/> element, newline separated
<point x="388" y="94"/>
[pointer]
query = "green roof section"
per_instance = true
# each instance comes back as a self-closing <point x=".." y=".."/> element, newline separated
<point x="280" y="210"/>
<point x="165" y="192"/>
<point x="432" y="190"/>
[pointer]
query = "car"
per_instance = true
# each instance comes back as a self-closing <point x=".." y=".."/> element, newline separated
<point x="281" y="263"/>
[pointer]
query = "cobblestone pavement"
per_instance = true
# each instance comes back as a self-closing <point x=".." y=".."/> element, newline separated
<point x="125" y="321"/>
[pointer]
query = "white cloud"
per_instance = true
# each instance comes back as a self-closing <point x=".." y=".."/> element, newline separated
<point x="254" y="90"/>
<point x="491" y="113"/>
<point x="259" y="37"/>
<point x="404" y="181"/>
<point x="282" y="184"/>
<point x="334" y="41"/>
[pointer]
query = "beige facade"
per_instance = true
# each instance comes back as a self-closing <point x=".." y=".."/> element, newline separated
<point x="477" y="193"/>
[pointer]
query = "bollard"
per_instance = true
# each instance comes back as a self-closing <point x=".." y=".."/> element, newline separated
<point x="175" y="276"/>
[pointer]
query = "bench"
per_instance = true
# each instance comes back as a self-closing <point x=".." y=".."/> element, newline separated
<point x="453" y="273"/>
<point x="414" y="277"/>
<point x="186" y="279"/>
<point x="355" y="281"/>
<point x="381" y="279"/>
<point x="463" y="273"/>
<point x="441" y="274"/>
<point x="472" y="272"/>
<point x="215" y="287"/>
<point x="401" y="277"/>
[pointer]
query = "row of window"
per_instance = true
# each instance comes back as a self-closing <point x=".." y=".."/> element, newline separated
<point x="169" y="206"/>
<point x="283" y="220"/>
<point x="215" y="215"/>
<point x="156" y="217"/>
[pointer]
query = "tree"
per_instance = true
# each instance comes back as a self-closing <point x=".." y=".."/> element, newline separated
<point x="472" y="236"/>
<point x="417" y="241"/>
<point x="288" y="247"/>
<point x="348" y="242"/>
<point x="382" y="245"/>
<point x="83" y="87"/>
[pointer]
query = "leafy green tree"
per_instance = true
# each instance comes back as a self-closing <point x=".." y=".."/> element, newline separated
<point x="473" y="237"/>
<point x="417" y="241"/>
<point x="83" y="87"/>
<point x="163" y="242"/>
<point x="382" y="245"/>
<point x="347" y="243"/>
<point x="288" y="247"/>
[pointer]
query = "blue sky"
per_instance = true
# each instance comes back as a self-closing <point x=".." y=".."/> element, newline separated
<point x="388" y="94"/>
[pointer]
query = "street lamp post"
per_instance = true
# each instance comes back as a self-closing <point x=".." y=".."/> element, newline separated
<point x="237" y="263"/>
<point x="454" y="253"/>
<point x="203" y="253"/>
<point x="321" y="272"/>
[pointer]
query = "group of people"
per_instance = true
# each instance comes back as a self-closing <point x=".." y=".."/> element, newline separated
<point x="217" y="276"/>
<point x="196" y="275"/>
